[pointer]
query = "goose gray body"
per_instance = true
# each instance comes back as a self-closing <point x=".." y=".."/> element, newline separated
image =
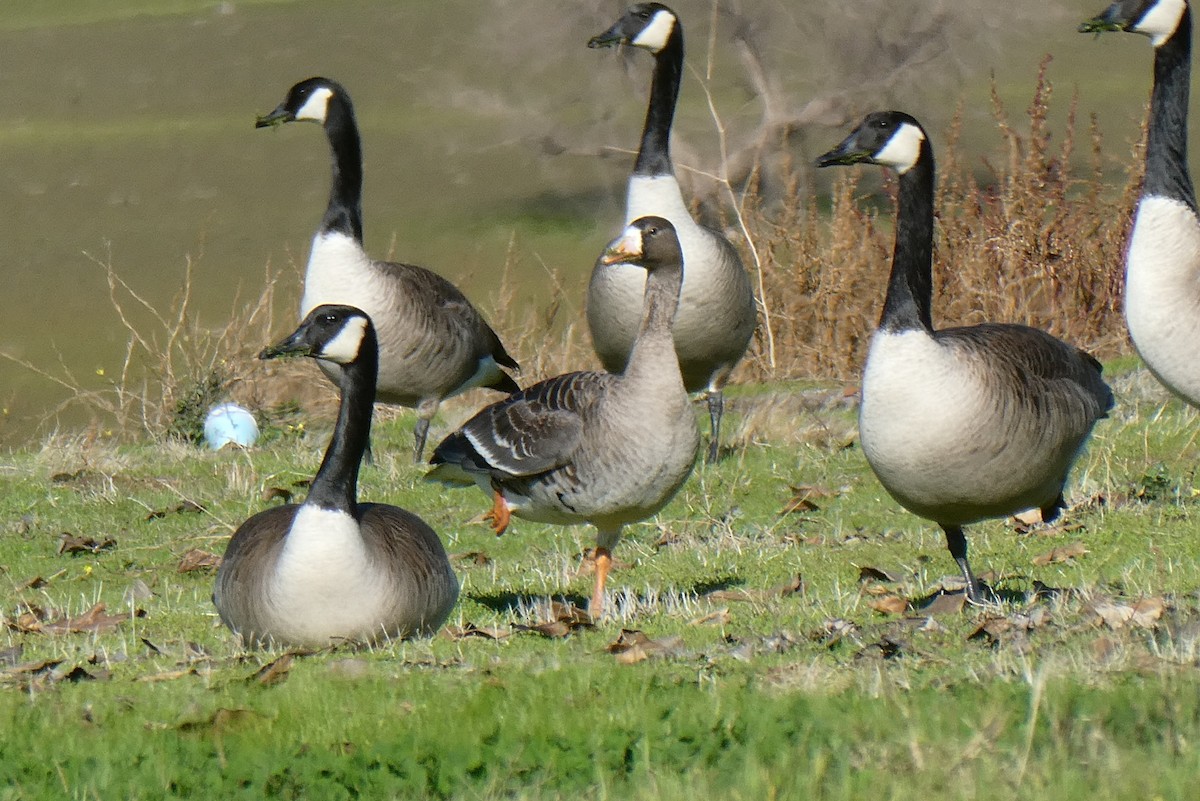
<point x="589" y="447"/>
<point x="717" y="311"/>
<point x="1162" y="264"/>
<point x="961" y="424"/>
<point x="433" y="343"/>
<point x="330" y="569"/>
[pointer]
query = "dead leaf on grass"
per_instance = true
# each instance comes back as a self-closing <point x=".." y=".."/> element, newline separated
<point x="564" y="620"/>
<point x="471" y="630"/>
<point x="719" y="617"/>
<point x="220" y="720"/>
<point x="69" y="543"/>
<point x="477" y="558"/>
<point x="870" y="573"/>
<point x="94" y="621"/>
<point x="634" y="646"/>
<point x="1143" y="614"/>
<point x="945" y="603"/>
<point x="1064" y="553"/>
<point x="170" y="675"/>
<point x="804" y="498"/>
<point x="792" y="586"/>
<point x="277" y="493"/>
<point x="890" y="605"/>
<point x="184" y="507"/>
<point x="274" y="672"/>
<point x="197" y="559"/>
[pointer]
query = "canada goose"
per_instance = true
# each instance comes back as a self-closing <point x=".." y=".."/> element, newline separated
<point x="717" y="312"/>
<point x="432" y="342"/>
<point x="960" y="424"/>
<point x="1162" y="265"/>
<point x="591" y="447"/>
<point x="332" y="569"/>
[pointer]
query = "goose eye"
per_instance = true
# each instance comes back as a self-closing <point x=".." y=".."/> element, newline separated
<point x="643" y="14"/>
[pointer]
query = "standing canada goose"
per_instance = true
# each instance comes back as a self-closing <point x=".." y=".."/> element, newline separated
<point x="960" y="424"/>
<point x="332" y="569"/>
<point x="591" y="447"/>
<point x="1162" y="265"/>
<point x="717" y="312"/>
<point x="432" y="342"/>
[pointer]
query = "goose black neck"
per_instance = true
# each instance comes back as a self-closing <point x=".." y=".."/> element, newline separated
<point x="654" y="155"/>
<point x="336" y="482"/>
<point x="1166" y="147"/>
<point x="344" y="212"/>
<point x="910" y="286"/>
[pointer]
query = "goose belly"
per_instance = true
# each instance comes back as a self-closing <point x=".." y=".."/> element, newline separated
<point x="628" y="469"/>
<point x="416" y="360"/>
<point x="947" y="445"/>
<point x="1162" y="293"/>
<point x="324" y="587"/>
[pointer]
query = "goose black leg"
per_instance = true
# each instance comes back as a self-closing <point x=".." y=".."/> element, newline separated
<point x="956" y="542"/>
<point x="420" y="432"/>
<point x="716" y="408"/>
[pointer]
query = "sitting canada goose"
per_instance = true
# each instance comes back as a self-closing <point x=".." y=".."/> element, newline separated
<point x="1162" y="265"/>
<point x="432" y="342"/>
<point x="960" y="424"/>
<point x="717" y="312"/>
<point x="332" y="569"/>
<point x="591" y="447"/>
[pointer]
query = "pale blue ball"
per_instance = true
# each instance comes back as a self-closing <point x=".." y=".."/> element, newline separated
<point x="227" y="423"/>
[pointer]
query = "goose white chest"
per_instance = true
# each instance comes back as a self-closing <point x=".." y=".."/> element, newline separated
<point x="340" y="272"/>
<point x="922" y="407"/>
<point x="324" y="584"/>
<point x="1162" y="293"/>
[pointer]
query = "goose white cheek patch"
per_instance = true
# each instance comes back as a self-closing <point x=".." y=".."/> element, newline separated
<point x="1161" y="20"/>
<point x="655" y="35"/>
<point x="903" y="149"/>
<point x="317" y="106"/>
<point x="343" y="348"/>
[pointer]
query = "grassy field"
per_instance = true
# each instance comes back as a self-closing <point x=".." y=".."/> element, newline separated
<point x="752" y="652"/>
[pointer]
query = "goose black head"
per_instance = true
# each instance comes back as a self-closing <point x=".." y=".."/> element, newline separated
<point x="889" y="138"/>
<point x="306" y="101"/>
<point x="1157" y="19"/>
<point x="333" y="333"/>
<point x="650" y="242"/>
<point x="645" y="25"/>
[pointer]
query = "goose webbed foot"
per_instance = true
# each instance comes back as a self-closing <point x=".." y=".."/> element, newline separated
<point x="500" y="515"/>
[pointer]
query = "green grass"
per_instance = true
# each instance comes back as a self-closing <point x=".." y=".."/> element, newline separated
<point x="750" y="699"/>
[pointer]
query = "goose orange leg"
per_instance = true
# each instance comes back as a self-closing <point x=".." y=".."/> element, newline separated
<point x="500" y="514"/>
<point x="603" y="560"/>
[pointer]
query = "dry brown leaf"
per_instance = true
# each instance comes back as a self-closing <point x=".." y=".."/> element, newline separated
<point x="220" y="720"/>
<point x="169" y="675"/>
<point x="179" y="508"/>
<point x="804" y="499"/>
<point x="890" y="605"/>
<point x="1063" y="553"/>
<point x="792" y="586"/>
<point x="1147" y="611"/>
<point x="477" y="558"/>
<point x="945" y="603"/>
<point x="1115" y="616"/>
<point x="94" y="620"/>
<point x="471" y="630"/>
<point x="277" y="493"/>
<point x="274" y="672"/>
<point x="718" y="617"/>
<point x="33" y="668"/>
<point x="69" y="543"/>
<point x="634" y="646"/>
<point x="196" y="559"/>
<point x="869" y="573"/>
